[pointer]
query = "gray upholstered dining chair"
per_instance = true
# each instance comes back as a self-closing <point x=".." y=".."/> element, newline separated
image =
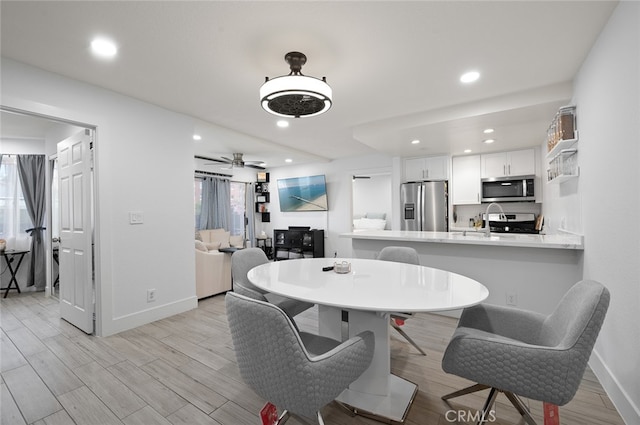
<point x="401" y="254"/>
<point x="244" y="260"/>
<point x="528" y="354"/>
<point x="296" y="371"/>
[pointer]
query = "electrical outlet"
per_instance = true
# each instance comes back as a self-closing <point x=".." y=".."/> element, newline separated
<point x="512" y="298"/>
<point x="151" y="295"/>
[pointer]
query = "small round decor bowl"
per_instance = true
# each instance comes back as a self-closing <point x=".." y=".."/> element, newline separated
<point x="342" y="268"/>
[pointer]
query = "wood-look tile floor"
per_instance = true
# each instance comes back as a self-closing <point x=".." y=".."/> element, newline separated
<point x="182" y="370"/>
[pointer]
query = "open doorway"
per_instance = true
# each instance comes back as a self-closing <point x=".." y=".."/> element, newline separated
<point x="19" y="127"/>
<point x="55" y="227"/>
<point x="372" y="200"/>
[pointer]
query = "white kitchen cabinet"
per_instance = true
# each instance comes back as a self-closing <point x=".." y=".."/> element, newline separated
<point x="503" y="164"/>
<point x="465" y="180"/>
<point x="427" y="168"/>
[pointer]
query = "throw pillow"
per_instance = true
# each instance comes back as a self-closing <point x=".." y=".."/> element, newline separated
<point x="212" y="246"/>
<point x="224" y="241"/>
<point x="236" y="241"/>
<point x="378" y="216"/>
<point x="200" y="246"/>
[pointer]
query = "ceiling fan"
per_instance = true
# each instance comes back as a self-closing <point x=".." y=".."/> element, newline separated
<point x="236" y="162"/>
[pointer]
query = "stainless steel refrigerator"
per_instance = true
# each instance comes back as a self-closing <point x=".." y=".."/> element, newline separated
<point x="425" y="206"/>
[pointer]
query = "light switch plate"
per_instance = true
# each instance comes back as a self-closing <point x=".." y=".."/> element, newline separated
<point x="136" y="217"/>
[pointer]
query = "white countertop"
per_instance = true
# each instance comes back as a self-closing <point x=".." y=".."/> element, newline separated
<point x="563" y="241"/>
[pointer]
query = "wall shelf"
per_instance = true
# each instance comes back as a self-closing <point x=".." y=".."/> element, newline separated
<point x="263" y="197"/>
<point x="562" y="145"/>
<point x="563" y="178"/>
<point x="562" y="156"/>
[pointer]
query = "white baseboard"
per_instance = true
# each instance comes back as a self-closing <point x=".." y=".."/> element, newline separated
<point x="130" y="321"/>
<point x="629" y="411"/>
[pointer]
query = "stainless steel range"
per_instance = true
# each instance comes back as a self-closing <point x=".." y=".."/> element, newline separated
<point x="514" y="223"/>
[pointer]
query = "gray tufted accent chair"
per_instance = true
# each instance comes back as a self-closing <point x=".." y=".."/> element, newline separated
<point x="401" y="254"/>
<point x="244" y="260"/>
<point x="296" y="371"/>
<point x="523" y="353"/>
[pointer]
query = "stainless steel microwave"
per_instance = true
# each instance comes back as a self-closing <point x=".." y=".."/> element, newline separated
<point x="508" y="189"/>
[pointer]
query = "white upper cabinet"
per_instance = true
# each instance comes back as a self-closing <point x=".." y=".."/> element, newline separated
<point x="503" y="164"/>
<point x="465" y="180"/>
<point x="428" y="168"/>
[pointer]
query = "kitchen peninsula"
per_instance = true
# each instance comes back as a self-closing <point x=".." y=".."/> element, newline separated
<point x="529" y="271"/>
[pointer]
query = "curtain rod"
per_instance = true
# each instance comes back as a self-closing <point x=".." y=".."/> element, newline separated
<point x="227" y="176"/>
<point x="209" y="173"/>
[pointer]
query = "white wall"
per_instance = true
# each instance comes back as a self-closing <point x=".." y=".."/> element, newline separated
<point x="144" y="162"/>
<point x="22" y="146"/>
<point x="607" y="96"/>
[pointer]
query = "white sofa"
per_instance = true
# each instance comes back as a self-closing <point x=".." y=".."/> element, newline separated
<point x="213" y="268"/>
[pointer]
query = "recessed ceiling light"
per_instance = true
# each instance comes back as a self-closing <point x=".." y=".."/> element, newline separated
<point x="488" y="141"/>
<point x="197" y="137"/>
<point x="288" y="160"/>
<point x="104" y="48"/>
<point x="470" y="77"/>
<point x="467" y="151"/>
<point x="415" y="142"/>
<point x="488" y="131"/>
<point x="282" y="124"/>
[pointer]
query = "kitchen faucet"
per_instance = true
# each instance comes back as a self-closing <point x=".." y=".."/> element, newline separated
<point x="487" y="228"/>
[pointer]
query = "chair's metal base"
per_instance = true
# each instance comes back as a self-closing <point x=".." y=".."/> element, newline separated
<point x="391" y="409"/>
<point x="407" y="337"/>
<point x="493" y="393"/>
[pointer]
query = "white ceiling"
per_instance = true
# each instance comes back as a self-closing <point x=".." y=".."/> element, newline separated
<point x="393" y="66"/>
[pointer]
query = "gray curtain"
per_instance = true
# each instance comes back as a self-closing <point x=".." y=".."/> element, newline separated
<point x="216" y="204"/>
<point x="250" y="212"/>
<point x="31" y="170"/>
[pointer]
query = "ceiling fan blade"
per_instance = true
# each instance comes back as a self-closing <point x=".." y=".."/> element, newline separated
<point x="229" y="160"/>
<point x="257" y="167"/>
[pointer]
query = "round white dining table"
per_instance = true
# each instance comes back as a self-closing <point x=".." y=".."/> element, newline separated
<point x="370" y="291"/>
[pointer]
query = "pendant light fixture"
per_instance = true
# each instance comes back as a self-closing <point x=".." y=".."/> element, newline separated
<point x="295" y="95"/>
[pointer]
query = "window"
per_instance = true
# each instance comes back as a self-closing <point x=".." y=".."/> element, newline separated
<point x="197" y="200"/>
<point x="14" y="218"/>
<point x="238" y="205"/>
<point x="238" y="190"/>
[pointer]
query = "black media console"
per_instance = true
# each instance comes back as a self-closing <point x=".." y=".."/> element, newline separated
<point x="298" y="242"/>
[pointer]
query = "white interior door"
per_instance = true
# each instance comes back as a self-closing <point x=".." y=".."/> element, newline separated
<point x="76" y="230"/>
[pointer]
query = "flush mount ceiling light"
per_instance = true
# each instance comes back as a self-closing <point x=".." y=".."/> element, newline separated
<point x="470" y="77"/>
<point x="295" y="95"/>
<point x="104" y="48"/>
